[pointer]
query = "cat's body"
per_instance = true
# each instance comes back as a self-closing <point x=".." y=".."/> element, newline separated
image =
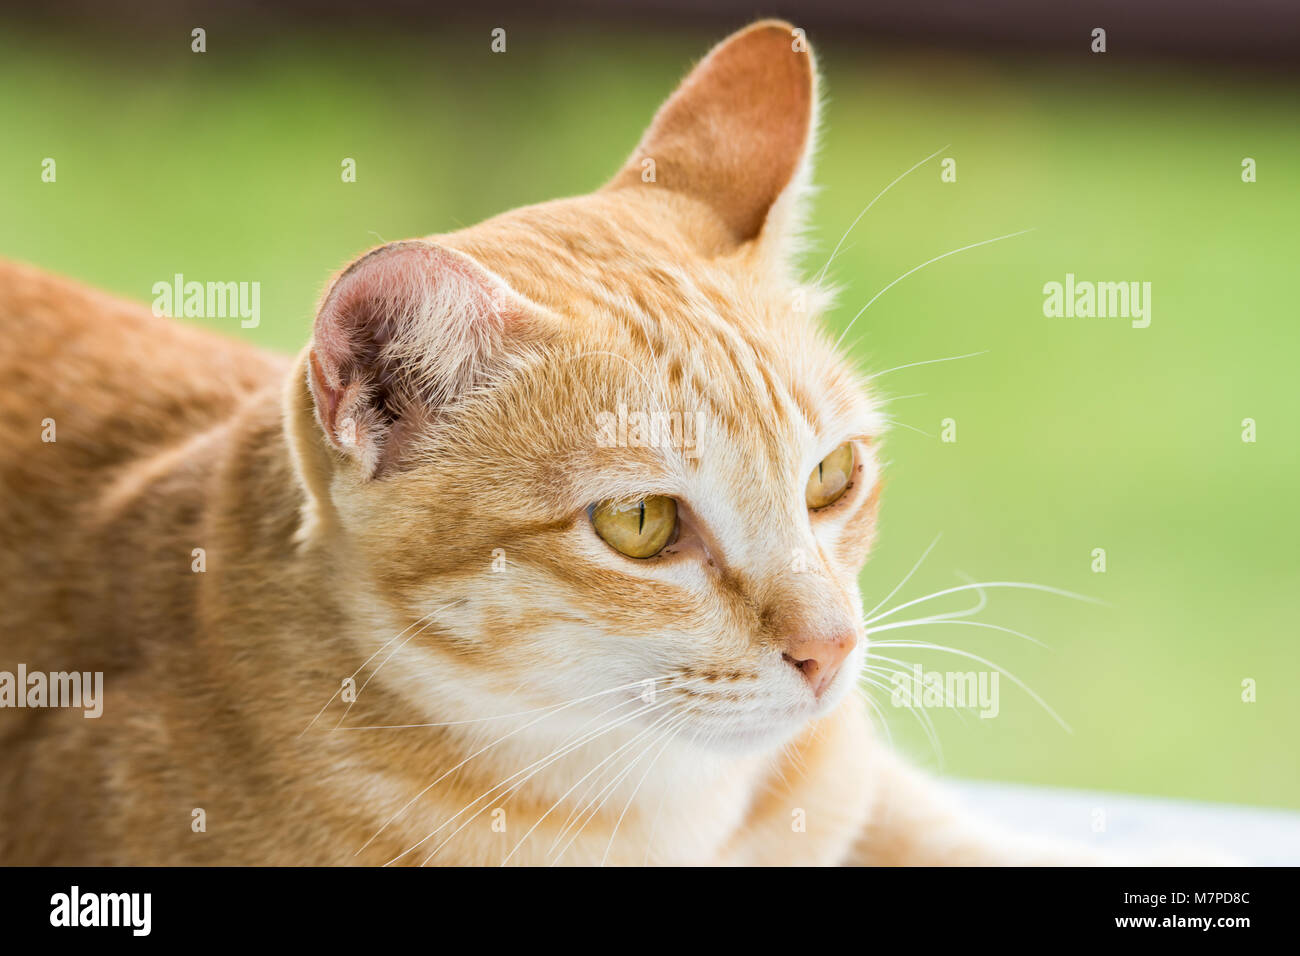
<point x="408" y="503"/>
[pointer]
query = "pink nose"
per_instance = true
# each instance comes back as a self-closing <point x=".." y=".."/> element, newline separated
<point x="819" y="659"/>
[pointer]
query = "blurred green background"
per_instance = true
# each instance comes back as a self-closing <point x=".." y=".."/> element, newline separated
<point x="1072" y="434"/>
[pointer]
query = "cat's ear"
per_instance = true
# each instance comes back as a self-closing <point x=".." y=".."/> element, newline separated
<point x="404" y="331"/>
<point x="738" y="133"/>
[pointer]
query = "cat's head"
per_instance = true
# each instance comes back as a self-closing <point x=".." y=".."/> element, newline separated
<point x="603" y="443"/>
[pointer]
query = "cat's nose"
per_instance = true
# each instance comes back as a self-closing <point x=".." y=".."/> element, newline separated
<point x="819" y="658"/>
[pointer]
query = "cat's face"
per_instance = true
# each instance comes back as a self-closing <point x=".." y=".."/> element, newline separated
<point x="602" y="443"/>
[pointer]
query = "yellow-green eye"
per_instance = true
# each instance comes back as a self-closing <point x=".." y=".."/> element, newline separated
<point x="831" y="477"/>
<point x="639" y="529"/>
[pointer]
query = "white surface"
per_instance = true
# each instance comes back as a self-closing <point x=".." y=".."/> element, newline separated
<point x="1256" y="836"/>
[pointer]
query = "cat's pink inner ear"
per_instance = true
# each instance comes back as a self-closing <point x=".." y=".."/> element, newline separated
<point x="738" y="130"/>
<point x="403" y="331"/>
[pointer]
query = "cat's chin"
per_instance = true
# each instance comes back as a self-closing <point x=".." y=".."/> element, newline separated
<point x="743" y="741"/>
<point x="748" y="735"/>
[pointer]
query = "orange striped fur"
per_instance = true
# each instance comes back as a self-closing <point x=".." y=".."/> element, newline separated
<point x="407" y="502"/>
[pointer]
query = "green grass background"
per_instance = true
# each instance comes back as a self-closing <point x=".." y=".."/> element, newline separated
<point x="1072" y="434"/>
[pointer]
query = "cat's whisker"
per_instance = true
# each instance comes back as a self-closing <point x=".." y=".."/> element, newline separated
<point x="977" y="585"/>
<point x="371" y="676"/>
<point x="973" y="245"/>
<point x="834" y="252"/>
<point x="923" y="645"/>
<point x="922" y="718"/>
<point x="870" y="701"/>
<point x="595" y="718"/>
<point x="379" y="651"/>
<point x="951" y="615"/>
<point x="654" y="823"/>
<point x="532" y="770"/>
<point x="339" y="690"/>
<point x="907" y="577"/>
<point x="853" y="347"/>
<point x="580" y="804"/>
<point x="980" y="605"/>
<point x="947" y="358"/>
<point x="528" y="772"/>
<point x="891" y="671"/>
<point x="518" y="713"/>
<point x="872" y="626"/>
<point x="899" y="398"/>
<point x="924" y="621"/>
<point x="779" y="770"/>
<point x="667" y="737"/>
<point x="538" y="765"/>
<point x="583" y="804"/>
<point x="593" y="808"/>
<point x="548" y="713"/>
<point x="919" y="431"/>
<point x="667" y="721"/>
<point x="932" y="618"/>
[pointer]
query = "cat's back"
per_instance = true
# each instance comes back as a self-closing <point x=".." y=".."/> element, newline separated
<point x="92" y="387"/>
<point x="115" y="381"/>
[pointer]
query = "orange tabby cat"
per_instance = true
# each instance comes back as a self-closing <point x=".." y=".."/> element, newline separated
<point x="545" y="548"/>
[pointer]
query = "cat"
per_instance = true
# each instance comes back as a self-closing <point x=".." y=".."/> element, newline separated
<point x="407" y="598"/>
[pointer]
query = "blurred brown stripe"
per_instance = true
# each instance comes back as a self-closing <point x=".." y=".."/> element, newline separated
<point x="1196" y="29"/>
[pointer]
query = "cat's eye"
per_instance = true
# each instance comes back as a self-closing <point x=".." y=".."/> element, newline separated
<point x="639" y="529"/>
<point x="830" y="479"/>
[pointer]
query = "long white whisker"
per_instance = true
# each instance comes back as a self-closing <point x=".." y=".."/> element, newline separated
<point x="580" y="803"/>
<point x="853" y="225"/>
<point x="947" y="358"/>
<point x="884" y="724"/>
<point x="591" y="808"/>
<point x="372" y="657"/>
<point x="907" y="577"/>
<point x="977" y="585"/>
<point x="538" y="765"/>
<point x="647" y="710"/>
<point x="921" y="645"/>
<point x="924" y="621"/>
<point x="528" y="772"/>
<point x="654" y="825"/>
<point x="667" y="737"/>
<point x="549" y="713"/>
<point x="371" y="676"/>
<point x="973" y="245"/>
<point x="922" y="718"/>
<point x="980" y="605"/>
<point x="518" y="713"/>
<point x="899" y="398"/>
<point x="912" y="428"/>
